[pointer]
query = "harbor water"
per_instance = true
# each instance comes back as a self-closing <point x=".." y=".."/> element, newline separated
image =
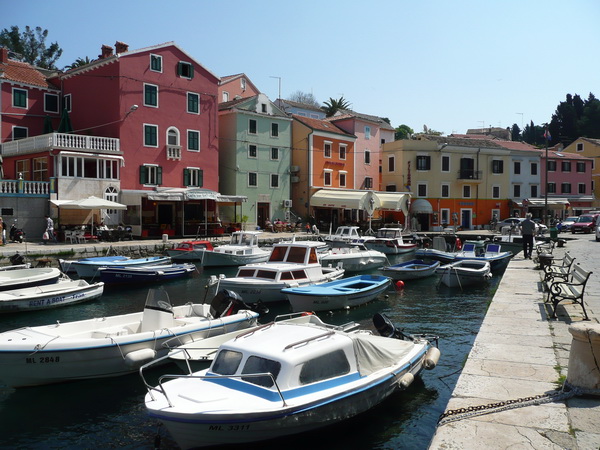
<point x="110" y="413"/>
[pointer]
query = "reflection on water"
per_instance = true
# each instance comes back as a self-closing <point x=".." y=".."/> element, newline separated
<point x="110" y="413"/>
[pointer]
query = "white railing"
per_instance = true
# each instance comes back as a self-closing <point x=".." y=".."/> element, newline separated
<point x="61" y="141"/>
<point x="24" y="187"/>
<point x="174" y="152"/>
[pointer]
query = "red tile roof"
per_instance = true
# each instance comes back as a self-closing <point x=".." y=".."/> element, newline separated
<point x="24" y="73"/>
<point x="321" y="125"/>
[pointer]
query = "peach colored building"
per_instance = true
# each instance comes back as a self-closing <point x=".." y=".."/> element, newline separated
<point x="236" y="86"/>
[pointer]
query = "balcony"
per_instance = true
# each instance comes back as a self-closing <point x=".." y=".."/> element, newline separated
<point x="470" y="175"/>
<point x="40" y="188"/>
<point x="174" y="152"/>
<point x="61" y="141"/>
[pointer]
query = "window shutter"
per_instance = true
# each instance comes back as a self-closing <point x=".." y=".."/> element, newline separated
<point x="159" y="175"/>
<point x="191" y="71"/>
<point x="143" y="175"/>
<point x="186" y="177"/>
<point x="201" y="178"/>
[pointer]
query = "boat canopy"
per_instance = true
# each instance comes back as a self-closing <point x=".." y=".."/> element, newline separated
<point x="374" y="353"/>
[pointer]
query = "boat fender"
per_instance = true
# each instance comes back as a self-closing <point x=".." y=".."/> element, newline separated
<point x="139" y="357"/>
<point x="406" y="380"/>
<point x="458" y="244"/>
<point x="431" y="358"/>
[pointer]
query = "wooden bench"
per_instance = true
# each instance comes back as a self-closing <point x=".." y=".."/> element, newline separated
<point x="561" y="270"/>
<point x="571" y="289"/>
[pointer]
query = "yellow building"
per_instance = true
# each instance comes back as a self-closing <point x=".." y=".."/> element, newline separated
<point x="590" y="148"/>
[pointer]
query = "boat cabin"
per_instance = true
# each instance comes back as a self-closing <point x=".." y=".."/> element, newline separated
<point x="346" y="233"/>
<point x="389" y="233"/>
<point x="194" y="246"/>
<point x="244" y="239"/>
<point x="294" y="254"/>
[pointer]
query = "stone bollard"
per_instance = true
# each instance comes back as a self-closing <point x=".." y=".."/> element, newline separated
<point x="584" y="357"/>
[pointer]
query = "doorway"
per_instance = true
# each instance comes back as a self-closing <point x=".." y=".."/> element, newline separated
<point x="262" y="214"/>
<point x="465" y="219"/>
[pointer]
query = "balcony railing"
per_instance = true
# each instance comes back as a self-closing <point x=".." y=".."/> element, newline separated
<point x="469" y="174"/>
<point x="24" y="187"/>
<point x="174" y="152"/>
<point x="62" y="141"/>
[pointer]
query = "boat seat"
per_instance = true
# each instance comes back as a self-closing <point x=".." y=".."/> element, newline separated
<point x="492" y="249"/>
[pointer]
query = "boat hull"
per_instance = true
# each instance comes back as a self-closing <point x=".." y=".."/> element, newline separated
<point x="24" y="278"/>
<point x="410" y="270"/>
<point x="220" y="259"/>
<point x="464" y="273"/>
<point x="390" y="247"/>
<point x="120" y="275"/>
<point x="89" y="269"/>
<point x="203" y="430"/>
<point x="340" y="294"/>
<point x="49" y="296"/>
<point x="356" y="263"/>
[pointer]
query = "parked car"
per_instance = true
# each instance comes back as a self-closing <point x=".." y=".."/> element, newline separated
<point x="540" y="228"/>
<point x="598" y="229"/>
<point x="566" y="224"/>
<point x="585" y="224"/>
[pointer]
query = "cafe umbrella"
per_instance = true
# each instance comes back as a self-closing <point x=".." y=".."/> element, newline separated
<point x="89" y="203"/>
<point x="65" y="123"/>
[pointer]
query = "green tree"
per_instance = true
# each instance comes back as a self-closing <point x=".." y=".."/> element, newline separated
<point x="515" y="132"/>
<point x="79" y="62"/>
<point x="30" y="46"/>
<point x="306" y="98"/>
<point x="589" y="125"/>
<point x="334" y="105"/>
<point x="403" y="132"/>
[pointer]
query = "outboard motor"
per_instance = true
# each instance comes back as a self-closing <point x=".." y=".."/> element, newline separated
<point x="385" y="327"/>
<point x="17" y="259"/>
<point x="227" y="302"/>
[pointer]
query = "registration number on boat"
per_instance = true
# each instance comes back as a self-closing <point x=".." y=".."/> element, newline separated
<point x="42" y="360"/>
<point x="228" y="427"/>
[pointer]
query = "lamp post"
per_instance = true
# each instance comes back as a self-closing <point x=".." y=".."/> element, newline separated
<point x="546" y="138"/>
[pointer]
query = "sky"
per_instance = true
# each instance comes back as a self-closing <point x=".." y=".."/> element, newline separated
<point x="448" y="65"/>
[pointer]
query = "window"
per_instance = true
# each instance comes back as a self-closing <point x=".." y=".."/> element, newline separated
<point x="367" y="132"/>
<point x="173" y="137"/>
<point x="445" y="188"/>
<point x="193" y="140"/>
<point x="111" y="194"/>
<point x="274" y="180"/>
<point x="581" y="188"/>
<point x="368" y="183"/>
<point x="534" y="169"/>
<point x="551" y="188"/>
<point x="252" y="126"/>
<point x="274" y="130"/>
<point x="19" y="98"/>
<point x="391" y="164"/>
<point x="495" y="191"/>
<point x="227" y="362"/>
<point x="367" y="157"/>
<point x="150" y="135"/>
<point x="579" y="147"/>
<point x="445" y="216"/>
<point x="156" y="63"/>
<point x="40" y="169"/>
<point x="342" y="179"/>
<point x="193" y="176"/>
<point x="243" y="84"/>
<point x="324" y="367"/>
<point x="150" y="95"/>
<point x="423" y="162"/>
<point x="551" y="166"/>
<point x="252" y="151"/>
<point x="257" y="364"/>
<point x="51" y="103"/>
<point x="466" y="191"/>
<point x="566" y="166"/>
<point x="517" y="191"/>
<point x="445" y="163"/>
<point x="151" y="175"/>
<point x="327" y="177"/>
<point x="225" y="96"/>
<point x="185" y="70"/>
<point x="252" y="179"/>
<point x="565" y="188"/>
<point x="581" y="167"/>
<point x="193" y="103"/>
<point x="327" y="150"/>
<point x="421" y="190"/>
<point x="263" y="108"/>
<point x="534" y="190"/>
<point x="274" y="154"/>
<point x="67" y="102"/>
<point x="19" y="133"/>
<point x="517" y="167"/>
<point x="497" y="166"/>
<point x="390" y="188"/>
<point x="22" y="169"/>
<point x="343" y="150"/>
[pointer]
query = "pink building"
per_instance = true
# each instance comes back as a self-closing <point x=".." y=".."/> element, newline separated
<point x="236" y="86"/>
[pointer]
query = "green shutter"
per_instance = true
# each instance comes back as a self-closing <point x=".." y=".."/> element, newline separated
<point x="143" y="175"/>
<point x="201" y="178"/>
<point x="159" y="175"/>
<point x="186" y="177"/>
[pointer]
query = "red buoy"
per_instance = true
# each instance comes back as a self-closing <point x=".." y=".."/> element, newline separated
<point x="399" y="284"/>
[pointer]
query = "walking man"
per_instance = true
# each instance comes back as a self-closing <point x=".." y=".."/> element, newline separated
<point x="50" y="229"/>
<point x="527" y="231"/>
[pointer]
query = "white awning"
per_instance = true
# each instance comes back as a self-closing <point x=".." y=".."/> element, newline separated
<point x="231" y="198"/>
<point x="166" y="196"/>
<point x="93" y="155"/>
<point x="421" y="206"/>
<point x="395" y="201"/>
<point x="540" y="202"/>
<point x="345" y="198"/>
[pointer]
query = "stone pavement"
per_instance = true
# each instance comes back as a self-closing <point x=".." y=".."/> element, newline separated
<point x="520" y="353"/>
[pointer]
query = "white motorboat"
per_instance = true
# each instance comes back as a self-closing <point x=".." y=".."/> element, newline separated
<point x="66" y="265"/>
<point x="190" y="250"/>
<point x="390" y="242"/>
<point x="145" y="274"/>
<point x="286" y="379"/>
<point x="346" y="235"/>
<point x="410" y="270"/>
<point x="88" y="268"/>
<point x="22" y="278"/>
<point x="464" y="273"/>
<point x="64" y="292"/>
<point x="291" y="264"/>
<point x="339" y="294"/>
<point x="242" y="249"/>
<point x="354" y="258"/>
<point x="114" y="345"/>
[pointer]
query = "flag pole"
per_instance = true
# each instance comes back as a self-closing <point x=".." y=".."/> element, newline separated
<point x="546" y="222"/>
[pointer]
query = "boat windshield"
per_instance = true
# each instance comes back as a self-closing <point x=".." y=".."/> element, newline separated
<point x="324" y="367"/>
<point x="269" y="274"/>
<point x="257" y="364"/>
<point x="296" y="255"/>
<point x="227" y="362"/>
<point x="278" y="254"/>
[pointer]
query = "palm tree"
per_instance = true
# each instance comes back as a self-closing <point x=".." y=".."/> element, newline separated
<point x="332" y="106"/>
<point x="79" y="62"/>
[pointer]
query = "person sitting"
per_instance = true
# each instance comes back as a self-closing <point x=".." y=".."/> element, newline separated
<point x="269" y="226"/>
